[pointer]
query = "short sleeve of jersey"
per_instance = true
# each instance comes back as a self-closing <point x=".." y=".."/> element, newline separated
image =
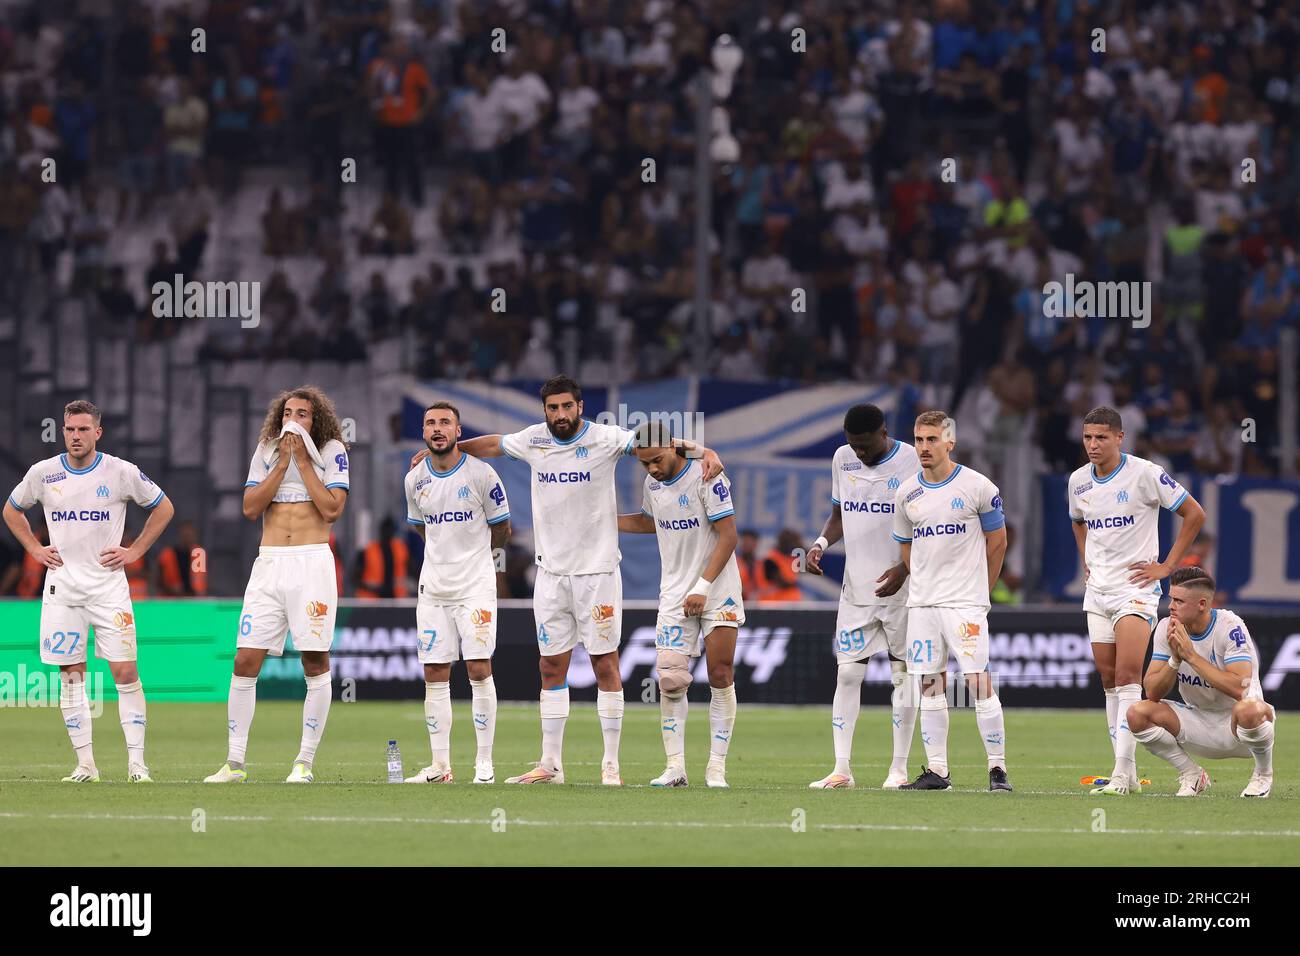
<point x="413" y="515"/>
<point x="902" y="523"/>
<point x="140" y="487"/>
<point x="495" y="505"/>
<point x="257" y="470"/>
<point x="647" y="502"/>
<point x="1072" y="500"/>
<point x="1236" y="645"/>
<point x="336" y="465"/>
<point x="27" y="492"/>
<point x="717" y="498"/>
<point x="617" y="440"/>
<point x="835" y="480"/>
<point x="1168" y="493"/>
<point x="515" y="445"/>
<point x="1160" y="643"/>
<point x="990" y="507"/>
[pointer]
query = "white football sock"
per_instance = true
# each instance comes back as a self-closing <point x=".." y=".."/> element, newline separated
<point x="722" y="719"/>
<point x="131" y="711"/>
<point x="988" y="717"/>
<point x="239" y="710"/>
<point x="934" y="732"/>
<point x="1165" y="746"/>
<point x="609" y="706"/>
<point x="672" y="724"/>
<point x="1125" y="743"/>
<point x="902" y="714"/>
<point x="76" y="716"/>
<point x="555" y="711"/>
<point x="844" y="711"/>
<point x="437" y="719"/>
<point x="1112" y="714"/>
<point x="1260" y="741"/>
<point x="315" y="711"/>
<point x="484" y="710"/>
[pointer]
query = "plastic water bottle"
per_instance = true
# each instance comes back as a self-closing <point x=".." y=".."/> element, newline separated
<point x="394" y="763"/>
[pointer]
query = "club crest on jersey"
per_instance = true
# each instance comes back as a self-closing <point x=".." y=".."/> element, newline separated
<point x="602" y="612"/>
<point x="893" y="483"/>
<point x="582" y="451"/>
<point x="958" y="504"/>
<point x="123" y="619"/>
<point x="721" y="491"/>
<point x="462" y="491"/>
<point x="1237" y="637"/>
<point x="497" y="495"/>
<point x="1085" y="487"/>
<point x="341" y="459"/>
<point x="101" y="491"/>
<point x="481" y="617"/>
<point x="57" y="476"/>
<point x="1121" y="497"/>
<point x="684" y="500"/>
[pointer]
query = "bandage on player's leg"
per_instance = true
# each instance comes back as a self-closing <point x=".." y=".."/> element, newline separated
<point x="674" y="679"/>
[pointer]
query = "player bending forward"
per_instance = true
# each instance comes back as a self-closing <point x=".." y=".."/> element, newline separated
<point x="84" y="494"/>
<point x="1210" y="655"/>
<point x="699" y="595"/>
<point x="298" y="479"/>
<point x="1115" y="504"/>
<point x="949" y="521"/>
<point x="865" y="474"/>
<point x="462" y="507"/>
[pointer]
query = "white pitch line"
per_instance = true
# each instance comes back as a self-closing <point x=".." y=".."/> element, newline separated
<point x="674" y="824"/>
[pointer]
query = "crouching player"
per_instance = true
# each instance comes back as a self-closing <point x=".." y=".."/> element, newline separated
<point x="1209" y="653"/>
<point x="699" y="594"/>
<point x="462" y="507"/>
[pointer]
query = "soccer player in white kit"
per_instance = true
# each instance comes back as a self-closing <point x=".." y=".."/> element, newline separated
<point x="578" y="593"/>
<point x="948" y="519"/>
<point x="865" y="474"/>
<point x="699" y="595"/>
<point x="84" y="494"/>
<point x="1209" y="654"/>
<point x="1115" y="503"/>
<point x="461" y="505"/>
<point x="298" y="481"/>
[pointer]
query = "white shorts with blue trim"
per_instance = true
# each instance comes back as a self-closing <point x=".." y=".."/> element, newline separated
<point x="291" y="591"/>
<point x="932" y="632"/>
<point x="65" y="631"/>
<point x="452" y="632"/>
<point x="674" y="631"/>
<point x="862" y="630"/>
<point x="569" y="609"/>
<point x="1104" y="610"/>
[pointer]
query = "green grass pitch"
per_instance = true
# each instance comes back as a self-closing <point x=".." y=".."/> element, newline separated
<point x="349" y="816"/>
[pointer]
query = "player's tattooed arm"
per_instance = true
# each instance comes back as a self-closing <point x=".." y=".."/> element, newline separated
<point x="500" y="534"/>
<point x="723" y="549"/>
<point x="1148" y="572"/>
<point x="258" y="497"/>
<point x="119" y="557"/>
<point x="639" y="523"/>
<point x="995" y="549"/>
<point x="47" y="555"/>
<point x="832" y="531"/>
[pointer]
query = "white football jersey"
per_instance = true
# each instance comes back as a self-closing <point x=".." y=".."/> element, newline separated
<point x="1121" y="512"/>
<point x="456" y="508"/>
<point x="575" y="506"/>
<point x="85" y="511"/>
<point x="865" y="494"/>
<point x="945" y="524"/>
<point x="1225" y="641"/>
<point x="333" y="474"/>
<point x="684" y="509"/>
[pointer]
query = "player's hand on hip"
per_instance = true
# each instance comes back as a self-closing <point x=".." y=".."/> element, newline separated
<point x="711" y="463"/>
<point x="891" y="581"/>
<point x="118" y="557"/>
<point x="694" y="605"/>
<point x="419" y="456"/>
<point x="1147" y="572"/>
<point x="813" y="560"/>
<point x="48" y="556"/>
